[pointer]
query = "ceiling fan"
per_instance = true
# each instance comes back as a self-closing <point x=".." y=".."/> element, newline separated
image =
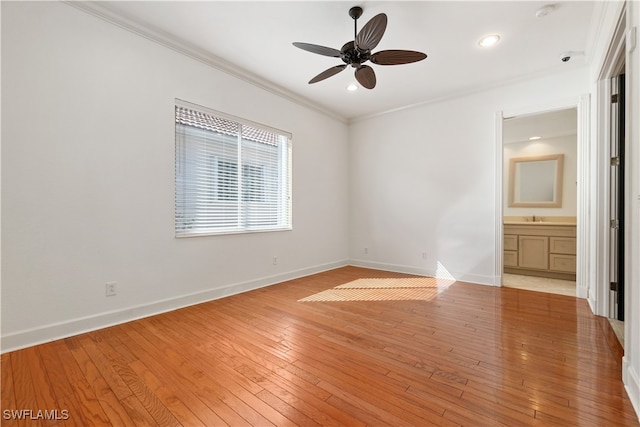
<point x="358" y="51"/>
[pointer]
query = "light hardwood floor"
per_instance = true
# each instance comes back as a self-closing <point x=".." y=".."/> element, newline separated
<point x="461" y="355"/>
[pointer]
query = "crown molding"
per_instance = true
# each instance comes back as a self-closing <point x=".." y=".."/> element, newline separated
<point x="472" y="91"/>
<point x="99" y="10"/>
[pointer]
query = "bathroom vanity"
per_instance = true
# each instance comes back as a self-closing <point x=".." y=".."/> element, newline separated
<point x="540" y="246"/>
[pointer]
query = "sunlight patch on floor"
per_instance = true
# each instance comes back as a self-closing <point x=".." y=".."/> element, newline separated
<point x="384" y="289"/>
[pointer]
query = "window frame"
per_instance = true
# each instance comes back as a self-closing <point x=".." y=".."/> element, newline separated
<point x="283" y="181"/>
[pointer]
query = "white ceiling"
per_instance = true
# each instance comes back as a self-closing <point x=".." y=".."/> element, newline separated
<point x="546" y="125"/>
<point x="253" y="39"/>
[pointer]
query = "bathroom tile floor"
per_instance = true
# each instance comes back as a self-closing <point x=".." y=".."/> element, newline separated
<point x="539" y="284"/>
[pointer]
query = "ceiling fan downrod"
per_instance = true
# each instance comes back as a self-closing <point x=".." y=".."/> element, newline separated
<point x="350" y="53"/>
<point x="355" y="12"/>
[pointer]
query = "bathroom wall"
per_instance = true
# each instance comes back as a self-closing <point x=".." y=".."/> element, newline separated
<point x="560" y="145"/>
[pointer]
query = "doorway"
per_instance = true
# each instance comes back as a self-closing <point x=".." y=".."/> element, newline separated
<point x="539" y="212"/>
<point x="584" y="180"/>
<point x="611" y="270"/>
<point x="617" y="199"/>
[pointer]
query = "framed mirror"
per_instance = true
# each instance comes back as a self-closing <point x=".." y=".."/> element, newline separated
<point x="536" y="182"/>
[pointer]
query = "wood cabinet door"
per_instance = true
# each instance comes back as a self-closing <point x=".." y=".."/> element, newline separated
<point x="533" y="252"/>
<point x="562" y="245"/>
<point x="562" y="263"/>
<point x="510" y="258"/>
<point x="510" y="242"/>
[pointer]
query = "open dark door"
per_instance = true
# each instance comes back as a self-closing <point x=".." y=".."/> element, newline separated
<point x="617" y="191"/>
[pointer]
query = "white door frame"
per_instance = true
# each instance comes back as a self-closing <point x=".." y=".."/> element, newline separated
<point x="583" y="231"/>
<point x="609" y="69"/>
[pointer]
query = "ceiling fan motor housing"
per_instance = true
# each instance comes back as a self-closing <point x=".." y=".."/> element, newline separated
<point x="353" y="56"/>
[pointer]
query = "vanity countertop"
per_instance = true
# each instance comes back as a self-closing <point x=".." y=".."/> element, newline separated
<point x="540" y="220"/>
<point x="538" y="223"/>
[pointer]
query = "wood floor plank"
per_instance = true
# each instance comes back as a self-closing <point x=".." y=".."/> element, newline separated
<point x="109" y="401"/>
<point x="25" y="393"/>
<point x="364" y="416"/>
<point x="186" y="380"/>
<point x="378" y="409"/>
<point x="224" y="402"/>
<point x="465" y="355"/>
<point x="302" y="396"/>
<point x="383" y="397"/>
<point x="292" y="415"/>
<point x="147" y="398"/>
<point x="83" y="393"/>
<point x="7" y="395"/>
<point x="139" y="414"/>
<point x="116" y="384"/>
<point x="42" y="386"/>
<point x="62" y="388"/>
<point x="166" y="396"/>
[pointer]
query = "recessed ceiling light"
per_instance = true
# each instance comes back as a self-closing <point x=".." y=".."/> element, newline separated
<point x="352" y="87"/>
<point x="490" y="40"/>
<point x="533" y="138"/>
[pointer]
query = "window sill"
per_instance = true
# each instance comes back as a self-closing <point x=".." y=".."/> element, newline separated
<point x="226" y="232"/>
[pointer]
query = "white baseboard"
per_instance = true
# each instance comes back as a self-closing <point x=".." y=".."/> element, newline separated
<point x="583" y="293"/>
<point x="631" y="381"/>
<point x="392" y="267"/>
<point x="406" y="269"/>
<point x="52" y="332"/>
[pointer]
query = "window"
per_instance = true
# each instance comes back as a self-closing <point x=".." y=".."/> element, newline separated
<point x="232" y="176"/>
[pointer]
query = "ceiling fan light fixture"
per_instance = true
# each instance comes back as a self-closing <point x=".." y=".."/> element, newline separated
<point x="352" y="87"/>
<point x="489" y="40"/>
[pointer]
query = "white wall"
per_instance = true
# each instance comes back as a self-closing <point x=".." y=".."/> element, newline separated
<point x="565" y="145"/>
<point x="88" y="179"/>
<point x="631" y="360"/>
<point x="601" y="70"/>
<point x="423" y="180"/>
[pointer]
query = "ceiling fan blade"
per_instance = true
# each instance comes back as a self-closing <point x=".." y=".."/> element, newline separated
<point x="328" y="73"/>
<point x="320" y="50"/>
<point x="366" y="76"/>
<point x="396" y="57"/>
<point x="370" y="35"/>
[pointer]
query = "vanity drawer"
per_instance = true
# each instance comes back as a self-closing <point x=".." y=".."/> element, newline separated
<point x="562" y="245"/>
<point x="510" y="258"/>
<point x="563" y="263"/>
<point x="510" y="242"/>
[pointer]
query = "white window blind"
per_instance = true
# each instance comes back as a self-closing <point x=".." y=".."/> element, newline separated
<point x="231" y="176"/>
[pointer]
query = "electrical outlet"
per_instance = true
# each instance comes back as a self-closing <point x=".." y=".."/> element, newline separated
<point x="110" y="289"/>
<point x="424" y="255"/>
<point x="275" y="260"/>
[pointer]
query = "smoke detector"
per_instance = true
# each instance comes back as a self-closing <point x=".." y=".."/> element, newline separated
<point x="545" y="10"/>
